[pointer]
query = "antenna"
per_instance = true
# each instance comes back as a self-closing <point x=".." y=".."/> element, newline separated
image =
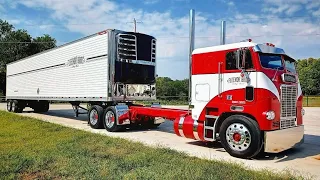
<point x="135" y="24"/>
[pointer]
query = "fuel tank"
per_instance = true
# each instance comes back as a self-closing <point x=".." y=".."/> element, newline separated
<point x="187" y="127"/>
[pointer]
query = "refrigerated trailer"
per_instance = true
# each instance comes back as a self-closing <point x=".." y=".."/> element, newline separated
<point x="246" y="95"/>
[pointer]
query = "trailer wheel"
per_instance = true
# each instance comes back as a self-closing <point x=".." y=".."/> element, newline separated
<point x="16" y="107"/>
<point x="110" y="120"/>
<point x="96" y="116"/>
<point x="41" y="106"/>
<point x="9" y="105"/>
<point x="45" y="106"/>
<point x="240" y="136"/>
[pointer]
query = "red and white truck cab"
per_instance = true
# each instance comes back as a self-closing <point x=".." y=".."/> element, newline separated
<point x="246" y="95"/>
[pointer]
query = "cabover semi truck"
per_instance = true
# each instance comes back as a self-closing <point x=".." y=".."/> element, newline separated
<point x="245" y="95"/>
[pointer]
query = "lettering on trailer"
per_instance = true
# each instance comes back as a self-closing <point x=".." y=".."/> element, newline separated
<point x="75" y="61"/>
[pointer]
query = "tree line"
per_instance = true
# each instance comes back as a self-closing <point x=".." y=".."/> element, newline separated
<point x="309" y="75"/>
<point x="18" y="44"/>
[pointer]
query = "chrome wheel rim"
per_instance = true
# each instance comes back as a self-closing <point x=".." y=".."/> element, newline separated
<point x="238" y="137"/>
<point x="13" y="106"/>
<point x="110" y="119"/>
<point x="94" y="117"/>
<point x="8" y="106"/>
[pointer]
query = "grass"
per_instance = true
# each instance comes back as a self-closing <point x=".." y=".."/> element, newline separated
<point x="311" y="101"/>
<point x="33" y="149"/>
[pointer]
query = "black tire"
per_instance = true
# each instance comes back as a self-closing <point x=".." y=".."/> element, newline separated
<point x="46" y="106"/>
<point x="16" y="107"/>
<point x="107" y="123"/>
<point x="9" y="105"/>
<point x="250" y="131"/>
<point x="41" y="106"/>
<point x="95" y="116"/>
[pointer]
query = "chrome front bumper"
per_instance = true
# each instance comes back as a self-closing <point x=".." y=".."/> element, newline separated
<point x="280" y="140"/>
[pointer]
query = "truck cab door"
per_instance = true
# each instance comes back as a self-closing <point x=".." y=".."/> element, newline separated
<point x="238" y="86"/>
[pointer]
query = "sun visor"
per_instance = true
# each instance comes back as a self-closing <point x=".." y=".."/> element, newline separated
<point x="268" y="49"/>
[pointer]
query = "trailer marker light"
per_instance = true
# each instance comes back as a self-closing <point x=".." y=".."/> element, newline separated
<point x="102" y="32"/>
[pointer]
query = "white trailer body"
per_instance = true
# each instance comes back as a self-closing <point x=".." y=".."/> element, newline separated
<point x="95" y="68"/>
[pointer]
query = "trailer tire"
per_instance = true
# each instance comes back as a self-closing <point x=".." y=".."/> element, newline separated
<point x="46" y="106"/>
<point x="95" y="116"/>
<point x="110" y="120"/>
<point x="240" y="136"/>
<point x="9" y="106"/>
<point x="16" y="106"/>
<point x="41" y="106"/>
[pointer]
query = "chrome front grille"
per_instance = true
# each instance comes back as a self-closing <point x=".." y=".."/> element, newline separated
<point x="288" y="101"/>
<point x="288" y="106"/>
<point x="287" y="123"/>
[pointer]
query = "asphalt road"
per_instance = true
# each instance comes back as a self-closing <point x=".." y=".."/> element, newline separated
<point x="304" y="160"/>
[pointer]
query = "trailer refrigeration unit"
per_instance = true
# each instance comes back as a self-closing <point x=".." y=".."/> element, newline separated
<point x="245" y="95"/>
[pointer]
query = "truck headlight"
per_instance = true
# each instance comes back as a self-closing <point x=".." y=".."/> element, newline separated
<point x="270" y="115"/>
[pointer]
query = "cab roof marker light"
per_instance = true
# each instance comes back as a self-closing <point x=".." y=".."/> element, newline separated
<point x="246" y="40"/>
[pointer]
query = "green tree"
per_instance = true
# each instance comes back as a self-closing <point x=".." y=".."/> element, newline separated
<point x="169" y="89"/>
<point x="18" y="44"/>
<point x="309" y="75"/>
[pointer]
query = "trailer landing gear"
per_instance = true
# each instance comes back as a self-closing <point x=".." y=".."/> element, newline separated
<point x="76" y="106"/>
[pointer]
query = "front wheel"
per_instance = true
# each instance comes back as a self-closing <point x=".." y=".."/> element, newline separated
<point x="241" y="136"/>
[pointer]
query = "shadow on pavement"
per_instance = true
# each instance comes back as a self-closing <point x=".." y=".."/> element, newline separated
<point x="215" y="145"/>
<point x="310" y="148"/>
<point x="64" y="113"/>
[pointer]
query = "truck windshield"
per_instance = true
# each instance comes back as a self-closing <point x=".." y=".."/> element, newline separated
<point x="272" y="61"/>
<point x="290" y="64"/>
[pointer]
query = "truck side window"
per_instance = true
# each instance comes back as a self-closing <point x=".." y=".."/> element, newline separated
<point x="231" y="61"/>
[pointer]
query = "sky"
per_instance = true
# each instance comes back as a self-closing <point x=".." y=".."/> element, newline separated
<point x="290" y="24"/>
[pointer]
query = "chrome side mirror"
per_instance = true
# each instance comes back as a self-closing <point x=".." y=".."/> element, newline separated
<point x="241" y="58"/>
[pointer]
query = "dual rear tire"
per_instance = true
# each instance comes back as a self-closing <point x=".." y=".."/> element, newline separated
<point x="41" y="106"/>
<point x="15" y="106"/>
<point x="107" y="118"/>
